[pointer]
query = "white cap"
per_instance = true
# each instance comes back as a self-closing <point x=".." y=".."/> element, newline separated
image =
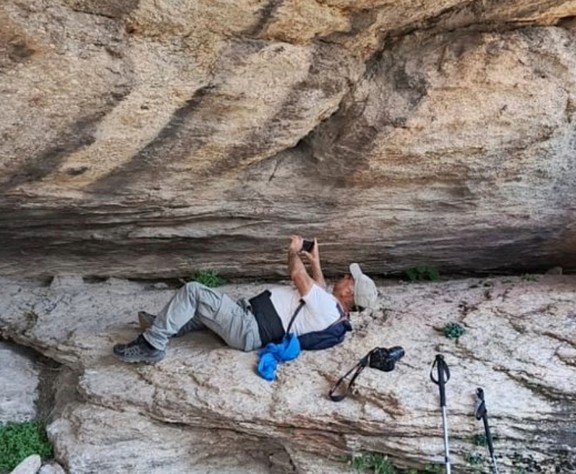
<point x="365" y="292"/>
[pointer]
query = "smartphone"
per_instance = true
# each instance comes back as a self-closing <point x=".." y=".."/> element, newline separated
<point x="307" y="245"/>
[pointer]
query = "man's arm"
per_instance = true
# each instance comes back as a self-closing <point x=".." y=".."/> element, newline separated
<point x="314" y="259"/>
<point x="296" y="268"/>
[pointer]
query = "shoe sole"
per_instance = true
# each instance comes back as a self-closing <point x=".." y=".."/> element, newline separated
<point x="149" y="361"/>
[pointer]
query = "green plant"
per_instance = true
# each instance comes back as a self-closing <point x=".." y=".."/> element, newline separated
<point x="209" y="278"/>
<point x="474" y="459"/>
<point x="529" y="277"/>
<point x="480" y="440"/>
<point x="434" y="469"/>
<point x="423" y="273"/>
<point x="372" y="462"/>
<point x="428" y="469"/>
<point x="20" y="440"/>
<point x="453" y="330"/>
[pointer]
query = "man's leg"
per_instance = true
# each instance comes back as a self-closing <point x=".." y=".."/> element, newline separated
<point x="196" y="306"/>
<point x="146" y="320"/>
<point x="150" y="346"/>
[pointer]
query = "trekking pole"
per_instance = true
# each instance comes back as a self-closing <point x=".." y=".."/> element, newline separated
<point x="481" y="412"/>
<point x="443" y="377"/>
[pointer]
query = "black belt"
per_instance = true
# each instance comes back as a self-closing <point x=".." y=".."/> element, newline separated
<point x="269" y="322"/>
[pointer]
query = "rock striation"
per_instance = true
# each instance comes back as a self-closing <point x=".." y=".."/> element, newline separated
<point x="204" y="408"/>
<point x="154" y="138"/>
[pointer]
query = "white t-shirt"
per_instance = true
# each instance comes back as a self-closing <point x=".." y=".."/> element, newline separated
<point x="319" y="312"/>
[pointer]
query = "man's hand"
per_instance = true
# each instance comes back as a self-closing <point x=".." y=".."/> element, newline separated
<point x="314" y="256"/>
<point x="296" y="242"/>
<point x="314" y="260"/>
<point x="298" y="273"/>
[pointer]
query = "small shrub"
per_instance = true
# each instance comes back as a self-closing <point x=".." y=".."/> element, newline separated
<point x="20" y="440"/>
<point x="428" y="469"/>
<point x="372" y="463"/>
<point x="209" y="278"/>
<point x="454" y="330"/>
<point x="434" y="469"/>
<point x="480" y="440"/>
<point x="529" y="277"/>
<point x="422" y="273"/>
<point x="474" y="459"/>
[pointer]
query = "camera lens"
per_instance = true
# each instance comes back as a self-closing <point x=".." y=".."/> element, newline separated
<point x="396" y="353"/>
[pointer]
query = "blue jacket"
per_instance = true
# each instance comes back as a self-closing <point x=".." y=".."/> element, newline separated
<point x="273" y="354"/>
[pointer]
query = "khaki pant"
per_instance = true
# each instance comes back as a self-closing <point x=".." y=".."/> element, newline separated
<point x="194" y="307"/>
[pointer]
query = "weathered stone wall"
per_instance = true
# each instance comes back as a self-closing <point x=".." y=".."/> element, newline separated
<point x="155" y="138"/>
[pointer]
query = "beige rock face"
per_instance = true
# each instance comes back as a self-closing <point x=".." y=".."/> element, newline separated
<point x="205" y="409"/>
<point x="155" y="138"/>
<point x="19" y="392"/>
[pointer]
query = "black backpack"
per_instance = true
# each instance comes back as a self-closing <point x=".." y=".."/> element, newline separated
<point x="329" y="337"/>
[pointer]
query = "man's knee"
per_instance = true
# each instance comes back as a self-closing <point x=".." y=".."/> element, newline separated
<point x="200" y="293"/>
<point x="193" y="287"/>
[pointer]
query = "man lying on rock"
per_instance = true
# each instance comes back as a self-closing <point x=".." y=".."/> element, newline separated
<point x="251" y="324"/>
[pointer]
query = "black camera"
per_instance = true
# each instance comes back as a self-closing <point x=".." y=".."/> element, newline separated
<point x="307" y="246"/>
<point x="379" y="358"/>
<point x="385" y="359"/>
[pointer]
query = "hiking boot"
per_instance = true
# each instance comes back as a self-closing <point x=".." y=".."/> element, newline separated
<point x="139" y="350"/>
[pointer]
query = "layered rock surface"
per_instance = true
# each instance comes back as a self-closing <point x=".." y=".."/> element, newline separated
<point x="204" y="408"/>
<point x="155" y="138"/>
